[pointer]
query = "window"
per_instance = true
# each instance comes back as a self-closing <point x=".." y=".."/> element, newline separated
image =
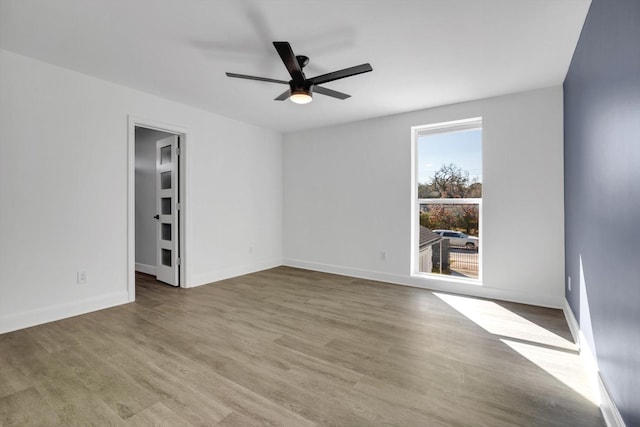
<point x="447" y="188"/>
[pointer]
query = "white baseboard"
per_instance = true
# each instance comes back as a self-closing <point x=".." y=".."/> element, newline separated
<point x="146" y="269"/>
<point x="228" y="273"/>
<point x="433" y="284"/>
<point x="571" y="321"/>
<point x="609" y="410"/>
<point x="608" y="407"/>
<point x="26" y="319"/>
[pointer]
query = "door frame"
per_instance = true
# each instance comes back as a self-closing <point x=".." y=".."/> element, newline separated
<point x="183" y="132"/>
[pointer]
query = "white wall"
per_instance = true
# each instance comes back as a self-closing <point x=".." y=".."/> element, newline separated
<point x="146" y="207"/>
<point x="347" y="197"/>
<point x="63" y="191"/>
<point x="63" y="194"/>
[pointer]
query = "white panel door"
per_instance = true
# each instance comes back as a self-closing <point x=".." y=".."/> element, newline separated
<point x="168" y="247"/>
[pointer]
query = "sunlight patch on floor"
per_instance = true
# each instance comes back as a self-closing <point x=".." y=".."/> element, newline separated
<point x="554" y="354"/>
<point x="566" y="367"/>
<point x="498" y="320"/>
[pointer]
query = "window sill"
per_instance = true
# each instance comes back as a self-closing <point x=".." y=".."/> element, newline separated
<point x="446" y="278"/>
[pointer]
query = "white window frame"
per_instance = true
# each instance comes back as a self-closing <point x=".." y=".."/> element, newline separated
<point x="416" y="132"/>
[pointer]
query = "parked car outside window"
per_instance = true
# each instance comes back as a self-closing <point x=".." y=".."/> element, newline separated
<point x="459" y="239"/>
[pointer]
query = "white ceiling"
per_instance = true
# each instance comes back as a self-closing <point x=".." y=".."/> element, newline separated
<point x="424" y="53"/>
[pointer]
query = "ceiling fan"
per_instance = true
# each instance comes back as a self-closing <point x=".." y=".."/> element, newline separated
<point x="301" y="89"/>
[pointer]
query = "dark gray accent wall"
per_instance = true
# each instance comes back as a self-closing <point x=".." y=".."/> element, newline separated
<point x="602" y="194"/>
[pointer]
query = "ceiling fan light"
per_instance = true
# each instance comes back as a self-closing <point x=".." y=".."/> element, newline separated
<point x="301" y="97"/>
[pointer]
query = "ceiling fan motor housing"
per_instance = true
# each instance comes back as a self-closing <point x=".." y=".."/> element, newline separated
<point x="300" y="94"/>
<point x="307" y="87"/>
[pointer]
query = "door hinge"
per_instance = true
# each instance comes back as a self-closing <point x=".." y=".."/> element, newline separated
<point x="177" y="151"/>
<point x="178" y="261"/>
<point x="178" y="206"/>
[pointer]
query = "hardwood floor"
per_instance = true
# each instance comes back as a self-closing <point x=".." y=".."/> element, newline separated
<point x="297" y="348"/>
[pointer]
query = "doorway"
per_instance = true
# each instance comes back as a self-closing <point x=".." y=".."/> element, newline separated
<point x="156" y="203"/>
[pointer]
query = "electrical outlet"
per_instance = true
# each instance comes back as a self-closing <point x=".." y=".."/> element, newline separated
<point x="250" y="249"/>
<point x="569" y="283"/>
<point x="82" y="277"/>
<point x="383" y="255"/>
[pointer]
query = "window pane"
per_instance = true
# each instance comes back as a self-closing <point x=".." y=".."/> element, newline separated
<point x="165" y="206"/>
<point x="450" y="165"/>
<point x="165" y="180"/>
<point x="450" y="253"/>
<point x="165" y="232"/>
<point x="165" y="155"/>
<point x="166" y="257"/>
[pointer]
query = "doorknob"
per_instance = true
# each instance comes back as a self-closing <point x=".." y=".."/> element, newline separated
<point x="156" y="216"/>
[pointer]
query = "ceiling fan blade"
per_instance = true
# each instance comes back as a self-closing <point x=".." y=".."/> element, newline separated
<point x="260" y="79"/>
<point x="290" y="61"/>
<point x="284" y="95"/>
<point x="330" y="92"/>
<point x="341" y="74"/>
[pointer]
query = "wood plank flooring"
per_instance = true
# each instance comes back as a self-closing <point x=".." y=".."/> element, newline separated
<point x="296" y="348"/>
